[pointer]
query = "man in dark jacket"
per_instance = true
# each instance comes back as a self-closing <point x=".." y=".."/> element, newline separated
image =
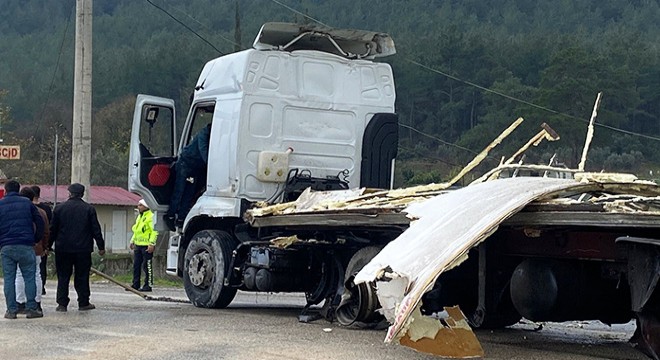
<point x="73" y="231"/>
<point x="39" y="249"/>
<point x="189" y="167"/>
<point x="20" y="226"/>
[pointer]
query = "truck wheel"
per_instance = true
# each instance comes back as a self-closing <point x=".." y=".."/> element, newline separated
<point x="504" y="314"/>
<point x="205" y="266"/>
<point x="359" y="302"/>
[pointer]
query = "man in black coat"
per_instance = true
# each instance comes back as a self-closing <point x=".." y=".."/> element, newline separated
<point x="73" y="231"/>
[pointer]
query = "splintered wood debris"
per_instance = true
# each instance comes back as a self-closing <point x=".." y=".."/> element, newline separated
<point x="357" y="200"/>
<point x="615" y="191"/>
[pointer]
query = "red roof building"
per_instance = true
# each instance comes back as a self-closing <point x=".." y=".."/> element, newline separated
<point x="97" y="195"/>
<point x="115" y="208"/>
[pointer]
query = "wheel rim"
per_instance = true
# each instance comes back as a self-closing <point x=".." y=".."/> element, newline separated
<point x="201" y="269"/>
<point x="360" y="305"/>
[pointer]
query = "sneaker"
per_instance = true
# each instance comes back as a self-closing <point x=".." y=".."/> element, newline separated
<point x="39" y="307"/>
<point x="21" y="308"/>
<point x="145" y="289"/>
<point x="31" y="314"/>
<point x="133" y="287"/>
<point x="60" y="308"/>
<point x="10" y="315"/>
<point x="87" y="307"/>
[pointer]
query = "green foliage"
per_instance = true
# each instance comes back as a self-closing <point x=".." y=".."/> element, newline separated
<point x="557" y="55"/>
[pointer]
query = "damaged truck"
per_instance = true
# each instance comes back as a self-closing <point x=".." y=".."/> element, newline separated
<point x="304" y="130"/>
<point x="306" y="107"/>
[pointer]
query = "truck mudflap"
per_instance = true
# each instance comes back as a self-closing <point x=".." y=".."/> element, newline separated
<point x="444" y="229"/>
<point x="643" y="276"/>
<point x="173" y="254"/>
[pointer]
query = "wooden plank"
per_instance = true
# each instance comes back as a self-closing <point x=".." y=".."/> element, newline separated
<point x="574" y="207"/>
<point x="577" y="218"/>
<point x="551" y="215"/>
<point x="332" y="220"/>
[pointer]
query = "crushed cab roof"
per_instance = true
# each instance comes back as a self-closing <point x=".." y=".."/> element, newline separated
<point x="349" y="43"/>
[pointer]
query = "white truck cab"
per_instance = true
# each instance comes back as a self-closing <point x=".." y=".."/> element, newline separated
<point x="305" y="107"/>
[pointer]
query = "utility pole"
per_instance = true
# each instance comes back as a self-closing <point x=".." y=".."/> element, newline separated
<point x="237" y="28"/>
<point x="81" y="147"/>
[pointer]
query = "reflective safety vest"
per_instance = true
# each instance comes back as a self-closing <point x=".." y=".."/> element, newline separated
<point x="143" y="230"/>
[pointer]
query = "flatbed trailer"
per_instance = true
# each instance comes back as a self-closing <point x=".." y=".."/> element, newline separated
<point x="555" y="259"/>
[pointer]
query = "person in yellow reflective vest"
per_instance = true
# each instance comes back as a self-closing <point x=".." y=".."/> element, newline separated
<point x="143" y="244"/>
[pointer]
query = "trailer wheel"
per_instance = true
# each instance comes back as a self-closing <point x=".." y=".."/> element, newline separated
<point x="504" y="314"/>
<point x="359" y="302"/>
<point x="206" y="263"/>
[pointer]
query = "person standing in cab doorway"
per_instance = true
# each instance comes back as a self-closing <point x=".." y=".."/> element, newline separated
<point x="143" y="244"/>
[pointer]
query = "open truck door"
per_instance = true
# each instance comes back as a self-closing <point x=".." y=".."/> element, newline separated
<point x="152" y="153"/>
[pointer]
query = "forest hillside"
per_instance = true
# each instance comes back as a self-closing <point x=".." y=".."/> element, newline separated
<point x="464" y="71"/>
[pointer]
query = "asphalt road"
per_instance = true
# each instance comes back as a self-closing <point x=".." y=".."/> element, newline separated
<point x="260" y="326"/>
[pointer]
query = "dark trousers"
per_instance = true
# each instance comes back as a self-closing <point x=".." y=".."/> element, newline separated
<point x="43" y="267"/>
<point x="79" y="265"/>
<point x="142" y="262"/>
<point x="184" y="190"/>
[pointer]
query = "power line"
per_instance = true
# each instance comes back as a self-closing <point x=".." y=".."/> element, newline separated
<point x="206" y="27"/>
<point x="186" y="26"/>
<point x="57" y="65"/>
<point x="419" y="153"/>
<point x="438" y="139"/>
<point x="299" y="13"/>
<point x="529" y="103"/>
<point x="444" y="142"/>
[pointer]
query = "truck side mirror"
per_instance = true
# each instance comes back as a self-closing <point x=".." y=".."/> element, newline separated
<point x="151" y="116"/>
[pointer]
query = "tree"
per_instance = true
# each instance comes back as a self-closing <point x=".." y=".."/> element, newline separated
<point x="110" y="142"/>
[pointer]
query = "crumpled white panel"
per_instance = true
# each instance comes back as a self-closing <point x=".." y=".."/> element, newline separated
<point x="448" y="226"/>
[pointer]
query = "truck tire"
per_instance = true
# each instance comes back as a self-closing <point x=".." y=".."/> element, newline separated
<point x="504" y="314"/>
<point x="359" y="302"/>
<point x="206" y="263"/>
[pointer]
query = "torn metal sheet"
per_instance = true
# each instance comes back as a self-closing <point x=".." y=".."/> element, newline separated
<point x="446" y="334"/>
<point x="344" y="42"/>
<point x="448" y="226"/>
